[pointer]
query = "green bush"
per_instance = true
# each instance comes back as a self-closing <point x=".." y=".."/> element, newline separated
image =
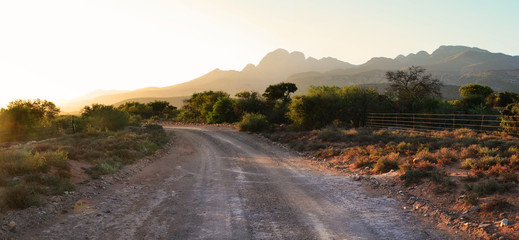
<point x="331" y="134"/>
<point x="414" y="175"/>
<point x="386" y="163"/>
<point x="50" y="184"/>
<point x="24" y="120"/>
<point x="487" y="186"/>
<point x="99" y="117"/>
<point x="223" y="111"/>
<point x="324" y="105"/>
<point x="103" y="167"/>
<point x="200" y="106"/>
<point x="148" y="147"/>
<point x="20" y="196"/>
<point x="510" y="118"/>
<point x="253" y="122"/>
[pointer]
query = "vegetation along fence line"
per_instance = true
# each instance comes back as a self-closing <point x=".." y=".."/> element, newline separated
<point x="420" y="121"/>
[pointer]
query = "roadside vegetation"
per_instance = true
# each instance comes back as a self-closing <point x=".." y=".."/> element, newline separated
<point x="458" y="169"/>
<point x="411" y="91"/>
<point x="38" y="145"/>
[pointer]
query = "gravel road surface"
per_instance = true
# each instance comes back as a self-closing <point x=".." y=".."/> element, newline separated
<point x="216" y="183"/>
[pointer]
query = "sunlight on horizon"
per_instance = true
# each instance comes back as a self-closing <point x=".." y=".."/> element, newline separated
<point x="59" y="50"/>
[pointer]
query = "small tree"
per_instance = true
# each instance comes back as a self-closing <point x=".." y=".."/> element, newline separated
<point x="136" y="108"/>
<point x="323" y="105"/>
<point x="413" y="85"/>
<point x="249" y="102"/>
<point x="278" y="99"/>
<point x="222" y="111"/>
<point x="199" y="106"/>
<point x="280" y="91"/>
<point x="475" y="97"/>
<point x="503" y="99"/>
<point x="27" y="119"/>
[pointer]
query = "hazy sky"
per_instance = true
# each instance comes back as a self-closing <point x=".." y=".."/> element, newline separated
<point x="61" y="49"/>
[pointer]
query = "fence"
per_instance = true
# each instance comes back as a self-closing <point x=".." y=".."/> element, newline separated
<point x="435" y="121"/>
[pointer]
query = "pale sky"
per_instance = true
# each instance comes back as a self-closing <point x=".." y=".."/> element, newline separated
<point x="62" y="49"/>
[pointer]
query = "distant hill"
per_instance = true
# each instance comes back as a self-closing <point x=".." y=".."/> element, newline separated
<point x="453" y="65"/>
<point x="275" y="67"/>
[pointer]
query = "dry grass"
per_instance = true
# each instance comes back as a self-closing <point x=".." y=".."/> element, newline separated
<point x="43" y="168"/>
<point x="431" y="155"/>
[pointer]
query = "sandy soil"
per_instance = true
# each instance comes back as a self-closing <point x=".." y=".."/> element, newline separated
<point x="216" y="183"/>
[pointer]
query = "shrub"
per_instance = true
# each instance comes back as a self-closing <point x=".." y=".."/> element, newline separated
<point x="106" y="166"/>
<point x="471" y="199"/>
<point x="362" y="162"/>
<point x="99" y="117"/>
<point x="199" y="106"/>
<point x="425" y="155"/>
<point x="485" y="151"/>
<point x="496" y="204"/>
<point x="510" y="118"/>
<point x="223" y="111"/>
<point x="20" y="196"/>
<point x="414" y="175"/>
<point x="469" y="152"/>
<point x="52" y="184"/>
<point x="325" y="104"/>
<point x="404" y="147"/>
<point x="24" y="120"/>
<point x="486" y="187"/>
<point x="316" y="146"/>
<point x="298" y="146"/>
<point x="331" y="134"/>
<point x="387" y="163"/>
<point x="446" y="156"/>
<point x="469" y="163"/>
<point x="329" y="152"/>
<point x="253" y="122"/>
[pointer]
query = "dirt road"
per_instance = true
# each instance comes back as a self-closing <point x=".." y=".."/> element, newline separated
<point x="216" y="183"/>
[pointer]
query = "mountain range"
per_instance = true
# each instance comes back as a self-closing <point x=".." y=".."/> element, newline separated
<point x="454" y="65"/>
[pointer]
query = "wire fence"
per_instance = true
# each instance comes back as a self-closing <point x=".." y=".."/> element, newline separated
<point x="417" y="121"/>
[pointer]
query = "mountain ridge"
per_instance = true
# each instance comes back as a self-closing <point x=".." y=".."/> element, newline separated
<point x="453" y="65"/>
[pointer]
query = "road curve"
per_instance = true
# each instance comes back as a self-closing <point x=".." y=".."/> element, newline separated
<point x="216" y="183"/>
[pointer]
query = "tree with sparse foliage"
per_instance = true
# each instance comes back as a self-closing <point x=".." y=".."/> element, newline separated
<point x="250" y="102"/>
<point x="410" y="86"/>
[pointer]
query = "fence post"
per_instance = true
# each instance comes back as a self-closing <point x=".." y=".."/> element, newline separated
<point x="413" y="121"/>
<point x="482" y="118"/>
<point x="73" y="125"/>
<point x="453" y="121"/>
